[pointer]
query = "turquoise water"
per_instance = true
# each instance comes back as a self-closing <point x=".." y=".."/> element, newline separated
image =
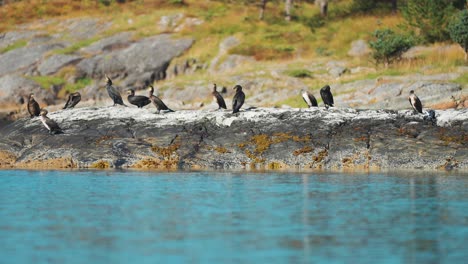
<point x="135" y="217"/>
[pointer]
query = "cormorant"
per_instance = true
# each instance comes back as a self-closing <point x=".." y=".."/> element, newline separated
<point x="33" y="106"/>
<point x="138" y="100"/>
<point x="309" y="98"/>
<point x="113" y="93"/>
<point x="50" y="124"/>
<point x="73" y="99"/>
<point x="415" y="102"/>
<point x="219" y="99"/>
<point x="238" y="99"/>
<point x="327" y="96"/>
<point x="158" y="103"/>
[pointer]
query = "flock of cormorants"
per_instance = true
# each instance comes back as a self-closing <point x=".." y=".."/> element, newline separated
<point x="141" y="101"/>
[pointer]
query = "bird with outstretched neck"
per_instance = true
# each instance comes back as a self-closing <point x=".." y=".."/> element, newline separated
<point x="158" y="103"/>
<point x="327" y="96"/>
<point x="50" y="124"/>
<point x="73" y="100"/>
<point x="33" y="106"/>
<point x="238" y="99"/>
<point x="219" y="98"/>
<point x="138" y="100"/>
<point x="113" y="93"/>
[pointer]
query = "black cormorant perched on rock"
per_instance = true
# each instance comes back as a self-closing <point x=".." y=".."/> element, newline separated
<point x="73" y="99"/>
<point x="327" y="96"/>
<point x="50" y="124"/>
<point x="309" y="98"/>
<point x="238" y="99"/>
<point x="219" y="99"/>
<point x="415" y="102"/>
<point x="113" y="93"/>
<point x="138" y="100"/>
<point x="33" y="106"/>
<point x="158" y="103"/>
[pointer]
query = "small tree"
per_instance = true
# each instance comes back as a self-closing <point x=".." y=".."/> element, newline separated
<point x="458" y="29"/>
<point x="430" y="17"/>
<point x="389" y="46"/>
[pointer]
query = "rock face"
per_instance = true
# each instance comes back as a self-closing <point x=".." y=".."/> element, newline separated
<point x="120" y="137"/>
<point x="147" y="59"/>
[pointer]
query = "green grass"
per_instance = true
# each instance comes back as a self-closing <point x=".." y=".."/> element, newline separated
<point x="463" y="79"/>
<point x="80" y="84"/>
<point x="18" y="44"/>
<point x="299" y="73"/>
<point x="76" y="46"/>
<point x="47" y="81"/>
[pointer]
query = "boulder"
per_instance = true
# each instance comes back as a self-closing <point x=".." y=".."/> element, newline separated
<point x="19" y="60"/>
<point x="148" y="56"/>
<point x="359" y="48"/>
<point x="55" y="62"/>
<point x="13" y="87"/>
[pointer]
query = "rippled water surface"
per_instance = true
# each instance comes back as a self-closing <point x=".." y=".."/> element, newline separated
<point x="135" y="217"/>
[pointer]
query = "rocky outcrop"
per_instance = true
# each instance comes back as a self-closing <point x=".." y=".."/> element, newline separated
<point x="303" y="139"/>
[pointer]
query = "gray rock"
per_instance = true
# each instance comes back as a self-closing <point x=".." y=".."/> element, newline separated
<point x="189" y="22"/>
<point x="359" y="48"/>
<point x="55" y="62"/>
<point x="233" y="61"/>
<point x="127" y="137"/>
<point x="151" y="55"/>
<point x="118" y="41"/>
<point x="9" y="38"/>
<point x="337" y="71"/>
<point x="169" y="22"/>
<point x="19" y="60"/>
<point x="84" y="28"/>
<point x="14" y="86"/>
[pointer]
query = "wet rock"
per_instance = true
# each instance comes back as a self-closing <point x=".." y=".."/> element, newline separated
<point x="55" y="62"/>
<point x="127" y="137"/>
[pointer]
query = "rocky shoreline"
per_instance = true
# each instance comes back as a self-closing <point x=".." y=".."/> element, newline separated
<point x="258" y="139"/>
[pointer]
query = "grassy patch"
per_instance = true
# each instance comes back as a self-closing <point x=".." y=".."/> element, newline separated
<point x="18" y="44"/>
<point x="76" y="46"/>
<point x="463" y="79"/>
<point x="47" y="81"/>
<point x="80" y="84"/>
<point x="299" y="73"/>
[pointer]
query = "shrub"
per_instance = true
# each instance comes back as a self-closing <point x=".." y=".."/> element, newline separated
<point x="389" y="46"/>
<point x="299" y="73"/>
<point x="458" y="29"/>
<point x="430" y="17"/>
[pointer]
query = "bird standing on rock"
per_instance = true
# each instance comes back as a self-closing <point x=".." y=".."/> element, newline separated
<point x="73" y="100"/>
<point x="113" y="93"/>
<point x="158" y="103"/>
<point x="309" y="98"/>
<point x="33" y="106"/>
<point x="219" y="98"/>
<point x="415" y="102"/>
<point x="50" y="124"/>
<point x="138" y="100"/>
<point x="327" y="96"/>
<point x="238" y="99"/>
